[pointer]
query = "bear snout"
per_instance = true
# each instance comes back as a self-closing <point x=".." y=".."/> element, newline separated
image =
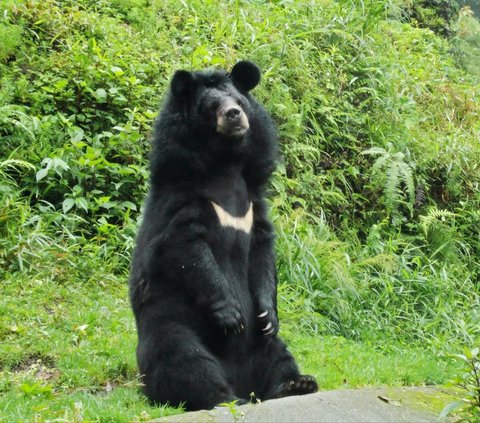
<point x="233" y="113"/>
<point x="232" y="120"/>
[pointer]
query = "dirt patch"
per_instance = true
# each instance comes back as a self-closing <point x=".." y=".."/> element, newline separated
<point x="39" y="366"/>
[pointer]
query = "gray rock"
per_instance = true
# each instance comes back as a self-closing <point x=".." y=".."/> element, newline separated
<point x="381" y="405"/>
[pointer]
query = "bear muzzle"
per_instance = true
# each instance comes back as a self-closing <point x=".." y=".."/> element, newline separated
<point x="232" y="120"/>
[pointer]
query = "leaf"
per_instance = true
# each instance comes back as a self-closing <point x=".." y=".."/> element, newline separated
<point x="450" y="408"/>
<point x="61" y="84"/>
<point x="129" y="205"/>
<point x="390" y="401"/>
<point x="67" y="204"/>
<point x="108" y="204"/>
<point x="375" y="150"/>
<point x="116" y="70"/>
<point x="407" y="175"/>
<point x="380" y="163"/>
<point x="92" y="43"/>
<point x="36" y="389"/>
<point x="77" y="135"/>
<point x="15" y="164"/>
<point x="58" y="163"/>
<point x="41" y="174"/>
<point x="82" y="203"/>
<point x="101" y="95"/>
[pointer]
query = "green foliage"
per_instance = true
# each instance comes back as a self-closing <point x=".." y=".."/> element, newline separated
<point x="376" y="201"/>
<point x="392" y="171"/>
<point x="232" y="408"/>
<point x="468" y="408"/>
<point x="11" y="38"/>
<point x="467" y="42"/>
<point x="387" y="288"/>
<point x="437" y="15"/>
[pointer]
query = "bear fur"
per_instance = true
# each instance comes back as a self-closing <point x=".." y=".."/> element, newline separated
<point x="203" y="275"/>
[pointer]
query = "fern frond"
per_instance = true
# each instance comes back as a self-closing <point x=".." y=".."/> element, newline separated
<point x="376" y="150"/>
<point x="380" y="163"/>
<point x="16" y="164"/>
<point x="441" y="214"/>
<point x="435" y="218"/>
<point x="392" y="185"/>
<point x="407" y="178"/>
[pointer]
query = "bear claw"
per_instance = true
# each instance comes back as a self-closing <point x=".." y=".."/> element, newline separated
<point x="266" y="328"/>
<point x="267" y="322"/>
<point x="305" y="384"/>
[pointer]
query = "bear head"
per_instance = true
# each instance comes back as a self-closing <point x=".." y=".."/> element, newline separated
<point x="217" y="103"/>
<point x="209" y="120"/>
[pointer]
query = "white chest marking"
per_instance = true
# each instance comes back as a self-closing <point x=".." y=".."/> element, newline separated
<point x="243" y="223"/>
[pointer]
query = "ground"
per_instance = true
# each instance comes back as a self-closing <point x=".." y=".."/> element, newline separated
<point x="373" y="405"/>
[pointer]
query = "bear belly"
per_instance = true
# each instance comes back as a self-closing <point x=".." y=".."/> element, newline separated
<point x="229" y="239"/>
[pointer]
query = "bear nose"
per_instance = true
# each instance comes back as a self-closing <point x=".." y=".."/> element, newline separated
<point x="233" y="113"/>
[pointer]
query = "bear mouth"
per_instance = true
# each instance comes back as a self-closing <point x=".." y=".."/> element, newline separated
<point x="238" y="131"/>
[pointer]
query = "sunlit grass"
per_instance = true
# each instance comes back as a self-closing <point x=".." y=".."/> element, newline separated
<point x="68" y="351"/>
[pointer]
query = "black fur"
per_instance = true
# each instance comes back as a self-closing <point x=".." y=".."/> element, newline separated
<point x="198" y="288"/>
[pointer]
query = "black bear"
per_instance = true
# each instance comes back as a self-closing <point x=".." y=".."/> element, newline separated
<point x="203" y="277"/>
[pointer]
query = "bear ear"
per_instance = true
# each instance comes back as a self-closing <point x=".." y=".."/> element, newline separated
<point x="182" y="83"/>
<point x="245" y="75"/>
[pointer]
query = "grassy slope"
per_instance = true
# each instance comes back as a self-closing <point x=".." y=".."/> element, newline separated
<point x="375" y="308"/>
<point x="68" y="352"/>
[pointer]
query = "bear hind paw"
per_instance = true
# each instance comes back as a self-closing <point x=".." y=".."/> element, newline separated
<point x="305" y="384"/>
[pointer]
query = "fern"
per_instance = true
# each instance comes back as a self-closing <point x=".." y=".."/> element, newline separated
<point x="438" y="228"/>
<point x="16" y="164"/>
<point x="15" y="117"/>
<point x="396" y="176"/>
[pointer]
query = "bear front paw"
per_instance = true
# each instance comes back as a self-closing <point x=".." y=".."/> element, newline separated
<point x="267" y="322"/>
<point x="228" y="316"/>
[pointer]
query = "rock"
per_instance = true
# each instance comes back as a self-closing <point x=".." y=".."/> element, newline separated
<point x="372" y="405"/>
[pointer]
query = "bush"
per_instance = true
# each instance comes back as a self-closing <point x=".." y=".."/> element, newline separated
<point x="438" y="15"/>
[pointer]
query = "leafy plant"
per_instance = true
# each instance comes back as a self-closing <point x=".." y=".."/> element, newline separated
<point x="438" y="15"/>
<point x="468" y="408"/>
<point x="396" y="176"/>
<point x="438" y="228"/>
<point x="232" y="407"/>
<point x="466" y="42"/>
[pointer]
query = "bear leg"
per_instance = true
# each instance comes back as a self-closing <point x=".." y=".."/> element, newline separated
<point x="281" y="375"/>
<point x="179" y="370"/>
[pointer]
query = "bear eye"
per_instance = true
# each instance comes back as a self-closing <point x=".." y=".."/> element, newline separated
<point x="214" y="106"/>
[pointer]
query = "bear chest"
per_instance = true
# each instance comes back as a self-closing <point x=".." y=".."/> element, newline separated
<point x="231" y="208"/>
<point x="239" y="223"/>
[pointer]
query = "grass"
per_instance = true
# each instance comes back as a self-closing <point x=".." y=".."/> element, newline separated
<point x="67" y="350"/>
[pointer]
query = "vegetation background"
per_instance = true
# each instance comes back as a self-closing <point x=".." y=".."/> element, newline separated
<point x="376" y="202"/>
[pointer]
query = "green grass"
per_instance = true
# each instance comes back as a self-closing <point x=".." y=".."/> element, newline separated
<point x="341" y="363"/>
<point x="67" y="350"/>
